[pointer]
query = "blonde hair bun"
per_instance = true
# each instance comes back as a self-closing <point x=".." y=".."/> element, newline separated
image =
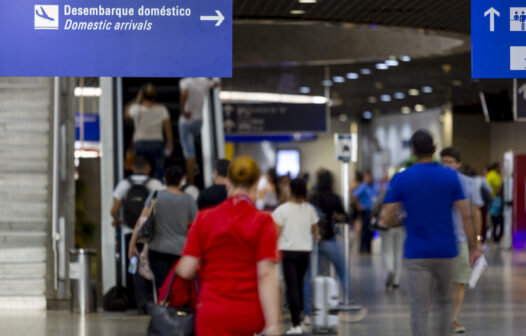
<point x="243" y="172"/>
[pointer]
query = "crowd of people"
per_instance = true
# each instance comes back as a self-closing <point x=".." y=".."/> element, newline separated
<point x="294" y="224"/>
<point x="235" y="233"/>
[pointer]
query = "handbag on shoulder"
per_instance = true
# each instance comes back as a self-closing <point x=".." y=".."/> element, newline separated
<point x="147" y="231"/>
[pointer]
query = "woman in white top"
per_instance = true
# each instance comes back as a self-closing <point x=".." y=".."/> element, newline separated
<point x="268" y="191"/>
<point x="297" y="220"/>
<point x="150" y="119"/>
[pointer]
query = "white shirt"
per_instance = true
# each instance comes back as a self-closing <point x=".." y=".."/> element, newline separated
<point x="296" y="221"/>
<point x="148" y="121"/>
<point x="269" y="199"/>
<point x="197" y="89"/>
<point x="124" y="186"/>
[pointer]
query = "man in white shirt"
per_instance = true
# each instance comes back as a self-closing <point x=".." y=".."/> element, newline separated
<point x="193" y="94"/>
<point x="136" y="285"/>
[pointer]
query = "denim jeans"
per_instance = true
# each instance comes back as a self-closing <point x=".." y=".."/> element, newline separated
<point x="153" y="151"/>
<point x="331" y="250"/>
<point x="188" y="131"/>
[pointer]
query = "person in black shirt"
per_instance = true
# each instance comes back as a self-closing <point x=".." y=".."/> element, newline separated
<point x="330" y="210"/>
<point x="217" y="193"/>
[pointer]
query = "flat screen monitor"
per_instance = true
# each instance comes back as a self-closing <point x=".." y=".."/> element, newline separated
<point x="288" y="161"/>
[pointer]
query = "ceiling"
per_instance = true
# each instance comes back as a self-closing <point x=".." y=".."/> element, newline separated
<point x="447" y="73"/>
<point x="448" y="77"/>
<point x="447" y="15"/>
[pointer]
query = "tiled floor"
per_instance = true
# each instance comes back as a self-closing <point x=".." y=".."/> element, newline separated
<point x="497" y="307"/>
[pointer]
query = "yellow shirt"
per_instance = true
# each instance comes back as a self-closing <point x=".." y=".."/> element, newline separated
<point x="495" y="182"/>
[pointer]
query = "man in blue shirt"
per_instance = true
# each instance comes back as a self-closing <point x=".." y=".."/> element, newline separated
<point x="450" y="157"/>
<point x="364" y="197"/>
<point x="428" y="194"/>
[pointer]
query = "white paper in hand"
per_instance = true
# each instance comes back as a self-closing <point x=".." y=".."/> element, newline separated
<point x="480" y="265"/>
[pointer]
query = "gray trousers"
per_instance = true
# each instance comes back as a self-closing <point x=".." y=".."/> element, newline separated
<point x="421" y="275"/>
<point x="392" y="251"/>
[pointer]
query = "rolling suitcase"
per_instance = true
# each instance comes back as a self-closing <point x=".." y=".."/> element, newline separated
<point x="324" y="299"/>
<point x="116" y="299"/>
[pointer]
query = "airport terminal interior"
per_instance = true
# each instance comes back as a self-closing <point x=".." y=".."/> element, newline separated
<point x="342" y="97"/>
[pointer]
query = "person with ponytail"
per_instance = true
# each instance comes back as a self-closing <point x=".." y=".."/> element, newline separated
<point x="235" y="247"/>
<point x="150" y="119"/>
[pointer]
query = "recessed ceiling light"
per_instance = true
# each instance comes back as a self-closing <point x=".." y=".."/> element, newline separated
<point x="365" y="71"/>
<point x="267" y="97"/>
<point x="343" y="117"/>
<point x="367" y="115"/>
<point x="381" y="66"/>
<point x="372" y="100"/>
<point x="391" y="62"/>
<point x="399" y="95"/>
<point x="406" y="110"/>
<point x="427" y="89"/>
<point x="405" y="58"/>
<point x="414" y="92"/>
<point x="326" y="82"/>
<point x="305" y="89"/>
<point x="419" y="108"/>
<point x="353" y="75"/>
<point x="297" y="12"/>
<point x="385" y="98"/>
<point x="338" y="79"/>
<point x="308" y="1"/>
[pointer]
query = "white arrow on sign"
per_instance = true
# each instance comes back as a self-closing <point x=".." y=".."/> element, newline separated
<point x="219" y="18"/>
<point x="491" y="12"/>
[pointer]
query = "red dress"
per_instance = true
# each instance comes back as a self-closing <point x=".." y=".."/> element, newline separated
<point x="230" y="240"/>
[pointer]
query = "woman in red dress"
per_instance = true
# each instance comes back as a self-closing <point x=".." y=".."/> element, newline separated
<point x="235" y="247"/>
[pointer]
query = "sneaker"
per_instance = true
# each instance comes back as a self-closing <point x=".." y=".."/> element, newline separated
<point x="294" y="331"/>
<point x="306" y="325"/>
<point x="458" y="328"/>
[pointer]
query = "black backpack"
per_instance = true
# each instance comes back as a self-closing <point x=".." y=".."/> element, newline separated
<point x="134" y="202"/>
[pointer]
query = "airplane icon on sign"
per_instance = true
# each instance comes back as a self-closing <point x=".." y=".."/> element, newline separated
<point x="43" y="14"/>
<point x="47" y="16"/>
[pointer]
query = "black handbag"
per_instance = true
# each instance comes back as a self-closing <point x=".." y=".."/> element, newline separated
<point x="147" y="231"/>
<point x="170" y="321"/>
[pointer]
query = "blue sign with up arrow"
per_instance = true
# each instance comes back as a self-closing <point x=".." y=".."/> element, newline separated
<point x="498" y="38"/>
<point x="116" y="38"/>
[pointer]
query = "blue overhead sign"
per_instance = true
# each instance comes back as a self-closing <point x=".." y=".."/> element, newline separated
<point x="118" y="38"/>
<point x="498" y="38"/>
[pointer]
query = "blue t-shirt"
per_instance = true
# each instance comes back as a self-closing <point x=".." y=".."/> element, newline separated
<point x="366" y="194"/>
<point x="427" y="192"/>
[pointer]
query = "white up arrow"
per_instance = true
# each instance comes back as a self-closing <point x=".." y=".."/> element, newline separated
<point x="219" y="18"/>
<point x="491" y="12"/>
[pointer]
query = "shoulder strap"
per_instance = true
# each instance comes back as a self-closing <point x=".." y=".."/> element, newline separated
<point x="153" y="206"/>
<point x="166" y="299"/>
<point x="169" y="289"/>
